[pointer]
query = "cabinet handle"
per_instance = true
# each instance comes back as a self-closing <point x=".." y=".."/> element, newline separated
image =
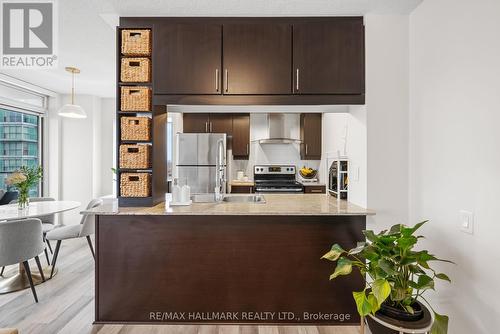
<point x="316" y="190"/>
<point x="227" y="81"/>
<point x="216" y="79"/>
<point x="297" y="80"/>
<point x="210" y="126"/>
<point x="248" y="150"/>
<point x="306" y="149"/>
<point x="206" y="126"/>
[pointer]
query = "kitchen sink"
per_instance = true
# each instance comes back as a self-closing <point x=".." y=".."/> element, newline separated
<point x="203" y="198"/>
<point x="210" y="198"/>
<point x="244" y="199"/>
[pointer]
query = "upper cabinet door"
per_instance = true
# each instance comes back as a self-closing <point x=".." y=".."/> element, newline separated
<point x="187" y="58"/>
<point x="257" y="58"/>
<point x="328" y="57"/>
<point x="310" y="134"/>
<point x="221" y="123"/>
<point x="195" y="123"/>
<point x="241" y="136"/>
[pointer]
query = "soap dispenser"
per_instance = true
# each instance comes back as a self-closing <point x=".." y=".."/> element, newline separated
<point x="176" y="191"/>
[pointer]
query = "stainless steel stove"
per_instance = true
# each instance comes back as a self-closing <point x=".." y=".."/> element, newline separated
<point x="276" y="179"/>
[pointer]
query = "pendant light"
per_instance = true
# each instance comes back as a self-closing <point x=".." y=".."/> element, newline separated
<point x="72" y="110"/>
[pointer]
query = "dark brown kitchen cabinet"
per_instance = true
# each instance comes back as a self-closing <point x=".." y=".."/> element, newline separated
<point x="187" y="58"/>
<point x="257" y="58"/>
<point x="314" y="189"/>
<point x="241" y="136"/>
<point x="328" y="56"/>
<point x="207" y="123"/>
<point x="195" y="123"/>
<point x="310" y="135"/>
<point x="241" y="189"/>
<point x="220" y="123"/>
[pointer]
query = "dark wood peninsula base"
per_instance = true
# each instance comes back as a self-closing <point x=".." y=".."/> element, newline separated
<point x="223" y="269"/>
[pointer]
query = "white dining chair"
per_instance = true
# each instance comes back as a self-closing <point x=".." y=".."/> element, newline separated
<point x="20" y="241"/>
<point x="48" y="223"/>
<point x="85" y="229"/>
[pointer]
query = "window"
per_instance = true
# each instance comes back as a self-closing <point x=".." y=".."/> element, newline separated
<point x="19" y="144"/>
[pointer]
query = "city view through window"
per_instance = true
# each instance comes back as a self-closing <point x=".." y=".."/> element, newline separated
<point x="19" y="144"/>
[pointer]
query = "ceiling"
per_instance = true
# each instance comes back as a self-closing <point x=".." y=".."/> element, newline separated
<point x="87" y="35"/>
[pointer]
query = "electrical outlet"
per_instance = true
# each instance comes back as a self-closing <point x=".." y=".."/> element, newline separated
<point x="466" y="221"/>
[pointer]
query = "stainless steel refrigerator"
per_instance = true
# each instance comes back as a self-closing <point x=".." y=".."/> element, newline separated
<point x="198" y="155"/>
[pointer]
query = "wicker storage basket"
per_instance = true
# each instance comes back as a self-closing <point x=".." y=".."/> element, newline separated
<point x="135" y="156"/>
<point x="136" y="42"/>
<point x="135" y="70"/>
<point x="135" y="128"/>
<point x="135" y="185"/>
<point x="135" y="99"/>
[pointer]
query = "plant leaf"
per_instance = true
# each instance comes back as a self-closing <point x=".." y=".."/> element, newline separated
<point x="440" y="325"/>
<point x="344" y="267"/>
<point x="406" y="242"/>
<point x="370" y="253"/>
<point x="359" y="248"/>
<point x="370" y="235"/>
<point x="395" y="229"/>
<point x="387" y="266"/>
<point x="387" y="239"/>
<point x="409" y="309"/>
<point x="425" y="282"/>
<point x="381" y="290"/>
<point x="407" y="260"/>
<point x="334" y="253"/>
<point x="407" y="231"/>
<point x="444" y="277"/>
<point x="363" y="305"/>
<point x="416" y="269"/>
<point x="372" y="300"/>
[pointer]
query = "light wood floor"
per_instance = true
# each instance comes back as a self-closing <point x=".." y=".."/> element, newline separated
<point x="66" y="305"/>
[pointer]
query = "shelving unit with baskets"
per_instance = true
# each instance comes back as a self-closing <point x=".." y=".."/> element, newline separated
<point x="140" y="124"/>
<point x="338" y="177"/>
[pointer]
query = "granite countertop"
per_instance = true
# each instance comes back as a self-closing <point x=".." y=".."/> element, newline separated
<point x="276" y="204"/>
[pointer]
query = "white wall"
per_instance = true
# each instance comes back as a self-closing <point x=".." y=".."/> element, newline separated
<point x="107" y="143"/>
<point x="455" y="159"/>
<point x="387" y="104"/>
<point x="78" y="157"/>
<point x="79" y="152"/>
<point x="352" y="125"/>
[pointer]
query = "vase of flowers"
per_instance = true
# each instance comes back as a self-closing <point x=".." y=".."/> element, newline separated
<point x="23" y="179"/>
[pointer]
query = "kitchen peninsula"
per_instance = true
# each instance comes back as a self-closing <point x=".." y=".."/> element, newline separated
<point x="226" y="262"/>
<point x="237" y="260"/>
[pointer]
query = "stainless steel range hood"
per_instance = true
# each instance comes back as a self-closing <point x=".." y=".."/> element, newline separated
<point x="279" y="129"/>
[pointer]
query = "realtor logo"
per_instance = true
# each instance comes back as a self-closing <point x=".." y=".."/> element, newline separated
<point x="28" y="34"/>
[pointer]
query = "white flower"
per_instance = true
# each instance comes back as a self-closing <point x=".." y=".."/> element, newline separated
<point x="15" y="179"/>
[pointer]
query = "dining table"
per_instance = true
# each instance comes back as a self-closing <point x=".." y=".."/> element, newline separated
<point x="18" y="280"/>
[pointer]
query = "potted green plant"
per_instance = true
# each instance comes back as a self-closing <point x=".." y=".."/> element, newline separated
<point x="396" y="278"/>
<point x="23" y="179"/>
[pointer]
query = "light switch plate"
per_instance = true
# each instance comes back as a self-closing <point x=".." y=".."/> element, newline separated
<point x="466" y="221"/>
<point x="354" y="175"/>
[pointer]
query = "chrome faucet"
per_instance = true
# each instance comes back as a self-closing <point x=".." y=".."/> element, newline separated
<point x="220" y="177"/>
